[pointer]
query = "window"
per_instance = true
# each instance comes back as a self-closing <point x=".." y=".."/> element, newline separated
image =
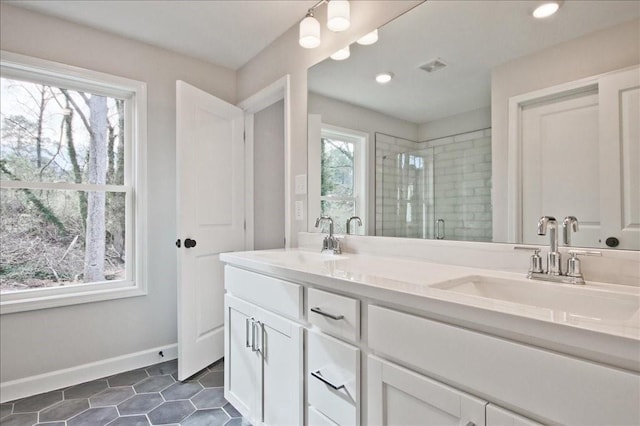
<point x="342" y="171"/>
<point x="71" y="185"/>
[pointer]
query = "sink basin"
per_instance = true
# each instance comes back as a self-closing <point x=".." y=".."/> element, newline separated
<point x="576" y="301"/>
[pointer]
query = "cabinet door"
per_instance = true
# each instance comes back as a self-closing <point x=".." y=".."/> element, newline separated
<point x="282" y="370"/>
<point x="497" y="416"/>
<point x="241" y="359"/>
<point x="397" y="396"/>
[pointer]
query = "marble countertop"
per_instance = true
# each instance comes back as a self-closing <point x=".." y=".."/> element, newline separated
<point x="602" y="322"/>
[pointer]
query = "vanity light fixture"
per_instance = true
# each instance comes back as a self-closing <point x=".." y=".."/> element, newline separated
<point x="338" y="19"/>
<point x="338" y="15"/>
<point x="309" y="31"/>
<point x="384" y="78"/>
<point x="341" y="54"/>
<point x="368" y="39"/>
<point x="546" y="9"/>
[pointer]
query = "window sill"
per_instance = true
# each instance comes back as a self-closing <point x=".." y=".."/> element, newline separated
<point x="46" y="298"/>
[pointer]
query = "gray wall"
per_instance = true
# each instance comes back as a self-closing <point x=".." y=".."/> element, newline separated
<point x="268" y="177"/>
<point x="47" y="340"/>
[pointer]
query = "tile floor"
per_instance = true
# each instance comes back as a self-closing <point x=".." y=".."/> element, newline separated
<point x="147" y="396"/>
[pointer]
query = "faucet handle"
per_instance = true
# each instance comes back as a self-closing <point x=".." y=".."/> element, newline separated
<point x="575" y="253"/>
<point x="535" y="262"/>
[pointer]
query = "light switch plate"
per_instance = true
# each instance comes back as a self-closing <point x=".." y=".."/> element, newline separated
<point x="299" y="210"/>
<point x="301" y="184"/>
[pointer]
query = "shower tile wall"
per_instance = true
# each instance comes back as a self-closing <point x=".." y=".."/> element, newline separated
<point x="462" y="186"/>
<point x="388" y="147"/>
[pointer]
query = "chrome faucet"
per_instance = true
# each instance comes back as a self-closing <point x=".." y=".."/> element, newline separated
<point x="570" y="223"/>
<point x="330" y="243"/>
<point x="357" y="219"/>
<point x="554" y="266"/>
<point x="554" y="269"/>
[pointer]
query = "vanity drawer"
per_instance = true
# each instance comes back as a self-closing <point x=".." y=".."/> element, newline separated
<point x="316" y="418"/>
<point x="334" y="314"/>
<point x="333" y="377"/>
<point x="276" y="295"/>
<point x="558" y="388"/>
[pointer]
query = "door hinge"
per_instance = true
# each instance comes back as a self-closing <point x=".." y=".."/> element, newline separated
<point x="245" y="225"/>
<point x="244" y="136"/>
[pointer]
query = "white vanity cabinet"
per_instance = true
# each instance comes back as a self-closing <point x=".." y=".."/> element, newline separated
<point x="397" y="396"/>
<point x="263" y="358"/>
<point x="314" y="350"/>
<point x="554" y="386"/>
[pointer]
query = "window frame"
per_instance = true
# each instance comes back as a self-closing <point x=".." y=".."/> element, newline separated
<point x="40" y="71"/>
<point x="360" y="141"/>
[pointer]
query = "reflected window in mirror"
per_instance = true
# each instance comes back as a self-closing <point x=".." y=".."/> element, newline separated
<point x="341" y="176"/>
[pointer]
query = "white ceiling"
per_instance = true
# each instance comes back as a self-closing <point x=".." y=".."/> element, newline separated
<point x="472" y="37"/>
<point x="227" y="33"/>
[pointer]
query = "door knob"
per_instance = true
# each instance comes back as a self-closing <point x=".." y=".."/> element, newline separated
<point x="612" y="242"/>
<point x="189" y="243"/>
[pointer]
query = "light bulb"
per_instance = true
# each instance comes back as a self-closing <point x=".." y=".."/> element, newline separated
<point x="338" y="15"/>
<point x="384" y="78"/>
<point x="546" y="9"/>
<point x="341" y="54"/>
<point x="368" y="39"/>
<point x="309" y="32"/>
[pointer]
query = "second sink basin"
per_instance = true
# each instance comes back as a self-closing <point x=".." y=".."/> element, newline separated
<point x="581" y="301"/>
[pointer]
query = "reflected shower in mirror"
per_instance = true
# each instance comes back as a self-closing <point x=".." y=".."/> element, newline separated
<point x="463" y="144"/>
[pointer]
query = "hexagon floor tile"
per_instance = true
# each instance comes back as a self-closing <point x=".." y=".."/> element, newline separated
<point x="142" y="397"/>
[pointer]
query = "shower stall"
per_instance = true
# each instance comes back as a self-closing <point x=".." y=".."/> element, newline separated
<point x="438" y="189"/>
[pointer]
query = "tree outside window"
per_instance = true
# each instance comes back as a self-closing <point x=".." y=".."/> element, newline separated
<point x="340" y="193"/>
<point x="72" y="186"/>
<point x="59" y="150"/>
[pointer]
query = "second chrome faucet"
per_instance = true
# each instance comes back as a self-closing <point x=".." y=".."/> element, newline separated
<point x="330" y="244"/>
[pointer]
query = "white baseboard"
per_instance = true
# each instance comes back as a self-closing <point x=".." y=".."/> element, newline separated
<point x="46" y="382"/>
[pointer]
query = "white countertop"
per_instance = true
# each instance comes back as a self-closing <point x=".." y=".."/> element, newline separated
<point x="613" y="338"/>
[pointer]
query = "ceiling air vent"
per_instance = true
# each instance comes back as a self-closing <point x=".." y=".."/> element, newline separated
<point x="433" y="66"/>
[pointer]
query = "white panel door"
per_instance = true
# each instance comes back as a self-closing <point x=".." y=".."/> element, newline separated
<point x="397" y="396"/>
<point x="210" y="175"/>
<point x="561" y="167"/>
<point x="620" y="157"/>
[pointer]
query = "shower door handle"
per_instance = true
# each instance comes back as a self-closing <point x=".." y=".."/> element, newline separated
<point x="440" y="229"/>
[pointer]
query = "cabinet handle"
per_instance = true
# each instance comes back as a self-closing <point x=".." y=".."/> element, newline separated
<point x="317" y="310"/>
<point x="470" y="424"/>
<point x="246" y="332"/>
<point x="253" y="335"/>
<point x="259" y="334"/>
<point x="318" y="376"/>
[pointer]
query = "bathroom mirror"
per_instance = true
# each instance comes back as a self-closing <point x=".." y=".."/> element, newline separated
<point x="430" y="154"/>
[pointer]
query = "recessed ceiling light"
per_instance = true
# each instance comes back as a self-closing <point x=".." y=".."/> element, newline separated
<point x="546" y="9"/>
<point x="368" y="39"/>
<point x="384" y="78"/>
<point x="341" y="54"/>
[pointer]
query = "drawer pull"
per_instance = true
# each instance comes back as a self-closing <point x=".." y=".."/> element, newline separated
<point x="319" y="311"/>
<point x="318" y="376"/>
<point x="470" y="424"/>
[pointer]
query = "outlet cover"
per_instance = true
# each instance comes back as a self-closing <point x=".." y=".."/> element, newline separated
<point x="301" y="184"/>
<point x="299" y="210"/>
